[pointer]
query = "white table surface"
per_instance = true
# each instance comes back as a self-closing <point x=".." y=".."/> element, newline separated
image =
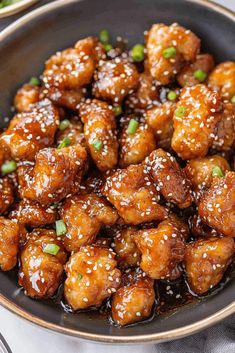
<point x="24" y="337"/>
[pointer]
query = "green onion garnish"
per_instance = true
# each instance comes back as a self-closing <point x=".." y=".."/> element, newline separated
<point x="51" y="249"/>
<point x="65" y="142"/>
<point x="216" y="171"/>
<point x="108" y="47"/>
<point x="80" y="276"/>
<point x="200" y="75"/>
<point x="104" y="36"/>
<point x="117" y="110"/>
<point x="169" y="53"/>
<point x="172" y="95"/>
<point x="137" y="53"/>
<point x="233" y="99"/>
<point x="8" y="167"/>
<point x="132" y="127"/>
<point x="97" y="144"/>
<point x="60" y="227"/>
<point x="64" y="124"/>
<point x="180" y="112"/>
<point x="34" y="81"/>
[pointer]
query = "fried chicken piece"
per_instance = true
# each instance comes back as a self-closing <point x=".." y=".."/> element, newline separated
<point x="9" y="243"/>
<point x="162" y="249"/>
<point x="188" y="75"/>
<point x="26" y="96"/>
<point x="114" y="80"/>
<point x="73" y="67"/>
<point x="206" y="261"/>
<point x="6" y="194"/>
<point x="135" y="147"/>
<point x="33" y="214"/>
<point x="84" y="215"/>
<point x="133" y="195"/>
<point x="199" y="229"/>
<point x="127" y="252"/>
<point x="195" y="119"/>
<point x="134" y="300"/>
<point x="92" y="276"/>
<point x="74" y="132"/>
<point x="67" y="98"/>
<point x="217" y="205"/>
<point x="222" y="79"/>
<point x="160" y="119"/>
<point x="180" y="43"/>
<point x="225" y="136"/>
<point x="171" y="180"/>
<point x="199" y="170"/>
<point x="146" y="94"/>
<point x="100" y="133"/>
<point x="32" y="130"/>
<point x="57" y="173"/>
<point x="42" y="260"/>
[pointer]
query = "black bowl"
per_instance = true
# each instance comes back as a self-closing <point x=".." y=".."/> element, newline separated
<point x="24" y="46"/>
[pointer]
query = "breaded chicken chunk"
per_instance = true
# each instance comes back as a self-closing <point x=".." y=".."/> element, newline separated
<point x="168" y="48"/>
<point x="134" y="147"/>
<point x="134" y="300"/>
<point x="92" y="276"/>
<point x="100" y="133"/>
<point x="33" y="214"/>
<point x="133" y="195"/>
<point x="222" y="79"/>
<point x="57" y="173"/>
<point x="217" y="205"/>
<point x="26" y="96"/>
<point x="224" y="140"/>
<point x="9" y="243"/>
<point x="162" y="249"/>
<point x="32" y="130"/>
<point x="67" y="98"/>
<point x="114" y="80"/>
<point x="160" y="119"/>
<point x="170" y="179"/>
<point x="206" y="261"/>
<point x="200" y="170"/>
<point x="196" y="116"/>
<point x="41" y="264"/>
<point x="196" y="72"/>
<point x="73" y="67"/>
<point x="124" y="245"/>
<point x="74" y="132"/>
<point x="84" y="215"/>
<point x="6" y="194"/>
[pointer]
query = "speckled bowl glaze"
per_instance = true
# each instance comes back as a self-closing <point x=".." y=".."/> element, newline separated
<point x="24" y="46"/>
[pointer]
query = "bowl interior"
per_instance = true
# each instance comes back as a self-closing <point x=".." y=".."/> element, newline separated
<point x="22" y="54"/>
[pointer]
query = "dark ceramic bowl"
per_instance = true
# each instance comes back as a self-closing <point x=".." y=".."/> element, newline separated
<point x="24" y="46"/>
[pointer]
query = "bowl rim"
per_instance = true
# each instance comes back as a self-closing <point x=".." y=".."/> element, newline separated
<point x="145" y="338"/>
<point x="16" y="7"/>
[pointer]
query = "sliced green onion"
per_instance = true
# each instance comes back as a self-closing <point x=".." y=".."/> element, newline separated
<point x="132" y="127"/>
<point x="172" y="95"/>
<point x="104" y="36"/>
<point x="169" y="53"/>
<point x="54" y="205"/>
<point x="4" y="3"/>
<point x="180" y="112"/>
<point x="64" y="124"/>
<point x="216" y="171"/>
<point x="117" y="110"/>
<point x="233" y="99"/>
<point x="60" y="227"/>
<point x="8" y="167"/>
<point x="80" y="276"/>
<point x="137" y="53"/>
<point x="200" y="75"/>
<point x="97" y="144"/>
<point x="51" y="249"/>
<point x="65" y="142"/>
<point x="108" y="47"/>
<point x="34" y="81"/>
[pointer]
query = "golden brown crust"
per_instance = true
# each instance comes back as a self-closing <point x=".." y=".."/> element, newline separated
<point x="9" y="243"/>
<point x="222" y="79"/>
<point x="26" y="96"/>
<point x="6" y="194"/>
